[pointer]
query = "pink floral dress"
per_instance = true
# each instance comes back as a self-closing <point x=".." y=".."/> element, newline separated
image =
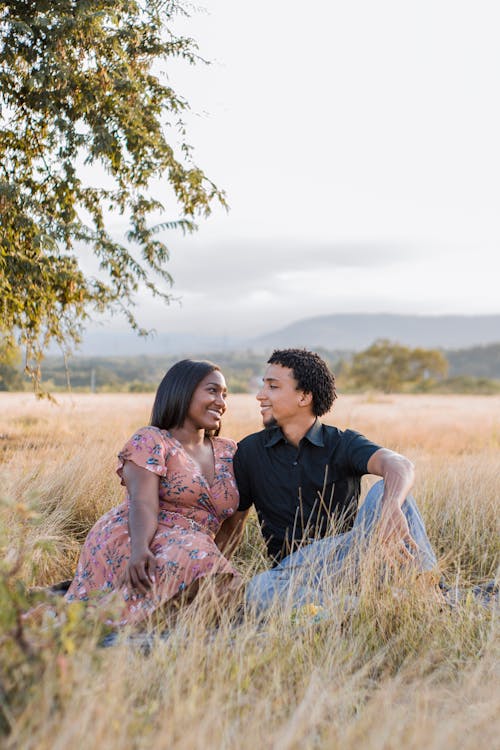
<point x="190" y="513"/>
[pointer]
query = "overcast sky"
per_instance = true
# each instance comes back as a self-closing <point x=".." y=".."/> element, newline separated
<point x="358" y="143"/>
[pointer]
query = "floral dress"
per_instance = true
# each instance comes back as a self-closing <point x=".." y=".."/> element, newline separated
<point x="190" y="513"/>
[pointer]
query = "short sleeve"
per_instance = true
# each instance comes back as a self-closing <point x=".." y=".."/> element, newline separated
<point x="359" y="450"/>
<point x="242" y="480"/>
<point x="146" y="448"/>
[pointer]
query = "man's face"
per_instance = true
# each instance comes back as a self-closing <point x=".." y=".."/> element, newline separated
<point x="280" y="401"/>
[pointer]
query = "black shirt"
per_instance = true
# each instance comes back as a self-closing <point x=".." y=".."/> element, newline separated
<point x="298" y="491"/>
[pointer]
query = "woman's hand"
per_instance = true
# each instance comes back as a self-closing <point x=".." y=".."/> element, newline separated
<point x="141" y="570"/>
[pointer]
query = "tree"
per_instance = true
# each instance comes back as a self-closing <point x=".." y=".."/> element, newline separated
<point x="390" y="367"/>
<point x="10" y="361"/>
<point x="78" y="87"/>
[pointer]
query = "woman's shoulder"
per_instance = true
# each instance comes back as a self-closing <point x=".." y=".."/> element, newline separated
<point x="225" y="444"/>
<point x="147" y="448"/>
<point x="150" y="430"/>
<point x="149" y="437"/>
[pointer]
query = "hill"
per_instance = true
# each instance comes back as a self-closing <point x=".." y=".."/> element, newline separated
<point x="358" y="330"/>
<point x="478" y="361"/>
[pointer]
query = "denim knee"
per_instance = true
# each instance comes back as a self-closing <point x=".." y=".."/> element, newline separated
<point x="369" y="513"/>
<point x="262" y="590"/>
<point x="370" y="509"/>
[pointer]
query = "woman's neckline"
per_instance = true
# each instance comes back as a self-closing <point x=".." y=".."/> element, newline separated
<point x="194" y="462"/>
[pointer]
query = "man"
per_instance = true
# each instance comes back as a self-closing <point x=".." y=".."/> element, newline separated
<point x="304" y="476"/>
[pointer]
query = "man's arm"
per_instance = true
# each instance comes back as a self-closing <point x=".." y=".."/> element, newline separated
<point x="229" y="535"/>
<point x="398" y="474"/>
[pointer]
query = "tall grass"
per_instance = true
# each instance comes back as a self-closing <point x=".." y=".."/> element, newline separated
<point x="398" y="668"/>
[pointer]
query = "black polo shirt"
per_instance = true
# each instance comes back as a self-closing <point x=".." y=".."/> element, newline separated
<point x="298" y="491"/>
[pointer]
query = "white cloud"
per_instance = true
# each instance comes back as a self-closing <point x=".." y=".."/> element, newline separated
<point x="358" y="143"/>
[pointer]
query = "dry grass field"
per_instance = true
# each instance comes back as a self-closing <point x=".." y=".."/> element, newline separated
<point x="400" y="670"/>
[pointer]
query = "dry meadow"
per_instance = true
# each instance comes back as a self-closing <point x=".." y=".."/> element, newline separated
<point x="400" y="669"/>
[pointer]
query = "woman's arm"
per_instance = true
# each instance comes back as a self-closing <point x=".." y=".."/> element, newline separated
<point x="143" y="489"/>
<point x="229" y="535"/>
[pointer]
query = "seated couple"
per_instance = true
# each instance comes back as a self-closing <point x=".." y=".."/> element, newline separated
<point x="189" y="492"/>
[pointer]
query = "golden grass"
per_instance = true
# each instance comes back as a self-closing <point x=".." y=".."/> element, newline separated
<point x="399" y="670"/>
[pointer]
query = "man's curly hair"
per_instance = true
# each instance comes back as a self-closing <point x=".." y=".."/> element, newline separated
<point x="312" y="376"/>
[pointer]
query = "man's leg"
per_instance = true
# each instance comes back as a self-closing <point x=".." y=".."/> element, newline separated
<point x="297" y="579"/>
<point x="279" y="587"/>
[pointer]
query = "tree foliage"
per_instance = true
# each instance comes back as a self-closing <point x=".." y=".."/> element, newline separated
<point x="10" y="360"/>
<point x="390" y="367"/>
<point x="80" y="94"/>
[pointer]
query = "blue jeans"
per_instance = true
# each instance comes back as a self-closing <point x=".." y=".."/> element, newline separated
<point x="299" y="578"/>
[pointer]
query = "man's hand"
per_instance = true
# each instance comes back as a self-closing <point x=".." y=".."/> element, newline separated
<point x="394" y="532"/>
<point x="141" y="570"/>
<point x="398" y="474"/>
<point x="229" y="535"/>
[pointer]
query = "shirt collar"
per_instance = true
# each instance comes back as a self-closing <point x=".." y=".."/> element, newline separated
<point x="314" y="435"/>
<point x="273" y="436"/>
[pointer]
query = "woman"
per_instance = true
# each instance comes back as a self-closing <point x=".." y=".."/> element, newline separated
<point x="178" y="517"/>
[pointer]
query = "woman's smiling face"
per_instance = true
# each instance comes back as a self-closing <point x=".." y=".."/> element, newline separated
<point x="208" y="403"/>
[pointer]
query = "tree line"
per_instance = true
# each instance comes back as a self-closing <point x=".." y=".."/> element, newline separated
<point x="384" y="366"/>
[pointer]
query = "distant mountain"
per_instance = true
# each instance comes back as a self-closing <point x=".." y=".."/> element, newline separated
<point x="357" y="331"/>
<point x="477" y="361"/>
<point x="349" y="332"/>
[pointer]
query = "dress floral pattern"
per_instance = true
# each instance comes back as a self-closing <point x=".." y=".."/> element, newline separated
<point x="190" y="513"/>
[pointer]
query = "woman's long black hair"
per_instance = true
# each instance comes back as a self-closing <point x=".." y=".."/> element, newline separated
<point x="175" y="392"/>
